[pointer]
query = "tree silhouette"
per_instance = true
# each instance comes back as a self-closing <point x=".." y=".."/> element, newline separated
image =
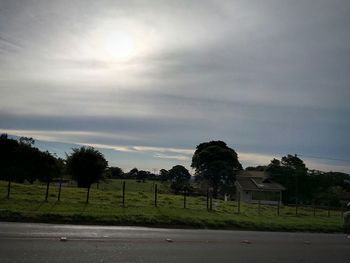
<point x="216" y="164"/>
<point x="87" y="166"/>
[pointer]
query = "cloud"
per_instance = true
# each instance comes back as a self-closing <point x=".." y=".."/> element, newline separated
<point x="266" y="78"/>
<point x="164" y="150"/>
<point x="8" y="46"/>
<point x="175" y="157"/>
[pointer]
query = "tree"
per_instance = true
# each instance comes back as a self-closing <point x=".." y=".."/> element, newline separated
<point x="115" y="172"/>
<point x="327" y="186"/>
<point x="143" y="175"/>
<point x="163" y="175"/>
<point x="50" y="167"/>
<point x="133" y="173"/>
<point x="20" y="161"/>
<point x="291" y="172"/>
<point x="8" y="152"/>
<point x="27" y="140"/>
<point x="86" y="165"/>
<point x="216" y="164"/>
<point x="179" y="178"/>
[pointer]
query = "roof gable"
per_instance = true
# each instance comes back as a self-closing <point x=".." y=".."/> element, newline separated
<point x="246" y="173"/>
<point x="257" y="181"/>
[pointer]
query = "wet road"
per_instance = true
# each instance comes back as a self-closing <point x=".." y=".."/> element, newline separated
<point x="21" y="242"/>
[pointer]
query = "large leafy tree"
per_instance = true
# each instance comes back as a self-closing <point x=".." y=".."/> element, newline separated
<point x="21" y="161"/>
<point x="143" y="175"/>
<point x="115" y="172"/>
<point x="87" y="166"/>
<point x="179" y="177"/>
<point x="133" y="173"/>
<point x="216" y="164"/>
<point x="50" y="167"/>
<point x="8" y="160"/>
<point x="291" y="172"/>
<point x="163" y="175"/>
<point x="327" y="186"/>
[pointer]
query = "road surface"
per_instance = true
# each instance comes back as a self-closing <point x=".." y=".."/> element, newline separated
<point x="22" y="242"/>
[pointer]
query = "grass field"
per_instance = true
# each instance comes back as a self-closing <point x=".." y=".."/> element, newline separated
<point x="27" y="203"/>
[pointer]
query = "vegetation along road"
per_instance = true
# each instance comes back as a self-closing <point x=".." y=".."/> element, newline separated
<point x="27" y="203"/>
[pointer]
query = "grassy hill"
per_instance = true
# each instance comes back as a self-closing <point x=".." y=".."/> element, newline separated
<point x="105" y="207"/>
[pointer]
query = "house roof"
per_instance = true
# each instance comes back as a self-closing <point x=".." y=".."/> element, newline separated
<point x="257" y="181"/>
<point x="253" y="173"/>
<point x="345" y="196"/>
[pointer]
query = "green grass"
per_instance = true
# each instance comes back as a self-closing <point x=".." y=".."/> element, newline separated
<point x="27" y="204"/>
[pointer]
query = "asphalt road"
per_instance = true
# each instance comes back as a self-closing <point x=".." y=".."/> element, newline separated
<point x="21" y="242"/>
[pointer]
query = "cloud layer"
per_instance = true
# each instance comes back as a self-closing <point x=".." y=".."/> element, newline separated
<point x="268" y="78"/>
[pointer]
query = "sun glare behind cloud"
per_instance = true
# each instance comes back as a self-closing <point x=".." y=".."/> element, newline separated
<point x="118" y="46"/>
<point x="117" y="41"/>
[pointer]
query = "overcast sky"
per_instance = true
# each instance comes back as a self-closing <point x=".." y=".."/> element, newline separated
<point x="147" y="81"/>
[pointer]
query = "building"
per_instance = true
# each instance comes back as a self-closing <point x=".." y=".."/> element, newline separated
<point x="256" y="186"/>
<point x="344" y="198"/>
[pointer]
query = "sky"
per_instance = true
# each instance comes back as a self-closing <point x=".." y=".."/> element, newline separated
<point x="146" y="81"/>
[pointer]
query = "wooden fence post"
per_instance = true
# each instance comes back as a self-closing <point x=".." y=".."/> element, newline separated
<point x="59" y="191"/>
<point x="88" y="194"/>
<point x="155" y="195"/>
<point x="207" y="198"/>
<point x="47" y="190"/>
<point x="185" y="199"/>
<point x="9" y="187"/>
<point x="239" y="203"/>
<point x="211" y="201"/>
<point x="279" y="203"/>
<point x="123" y="194"/>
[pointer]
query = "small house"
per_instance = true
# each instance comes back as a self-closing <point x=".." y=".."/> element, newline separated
<point x="344" y="198"/>
<point x="256" y="186"/>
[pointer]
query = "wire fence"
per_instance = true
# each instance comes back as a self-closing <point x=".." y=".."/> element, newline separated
<point x="134" y="194"/>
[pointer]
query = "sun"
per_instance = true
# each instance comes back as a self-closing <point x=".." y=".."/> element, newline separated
<point x="118" y="46"/>
<point x="116" y="42"/>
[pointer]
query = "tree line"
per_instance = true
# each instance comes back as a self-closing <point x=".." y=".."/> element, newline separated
<point x="304" y="185"/>
<point x="20" y="161"/>
<point x="216" y="167"/>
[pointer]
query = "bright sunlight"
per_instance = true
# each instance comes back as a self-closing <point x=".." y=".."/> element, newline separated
<point x="118" y="46"/>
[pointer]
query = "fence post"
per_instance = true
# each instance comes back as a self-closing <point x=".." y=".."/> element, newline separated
<point x="185" y="199"/>
<point x="239" y="203"/>
<point x="259" y="209"/>
<point x="47" y="190"/>
<point x="211" y="201"/>
<point x="207" y="198"/>
<point x="59" y="191"/>
<point x="155" y="195"/>
<point x="9" y="187"/>
<point x="88" y="194"/>
<point x="329" y="208"/>
<point x="278" y="208"/>
<point x="123" y="193"/>
<point x="314" y="207"/>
